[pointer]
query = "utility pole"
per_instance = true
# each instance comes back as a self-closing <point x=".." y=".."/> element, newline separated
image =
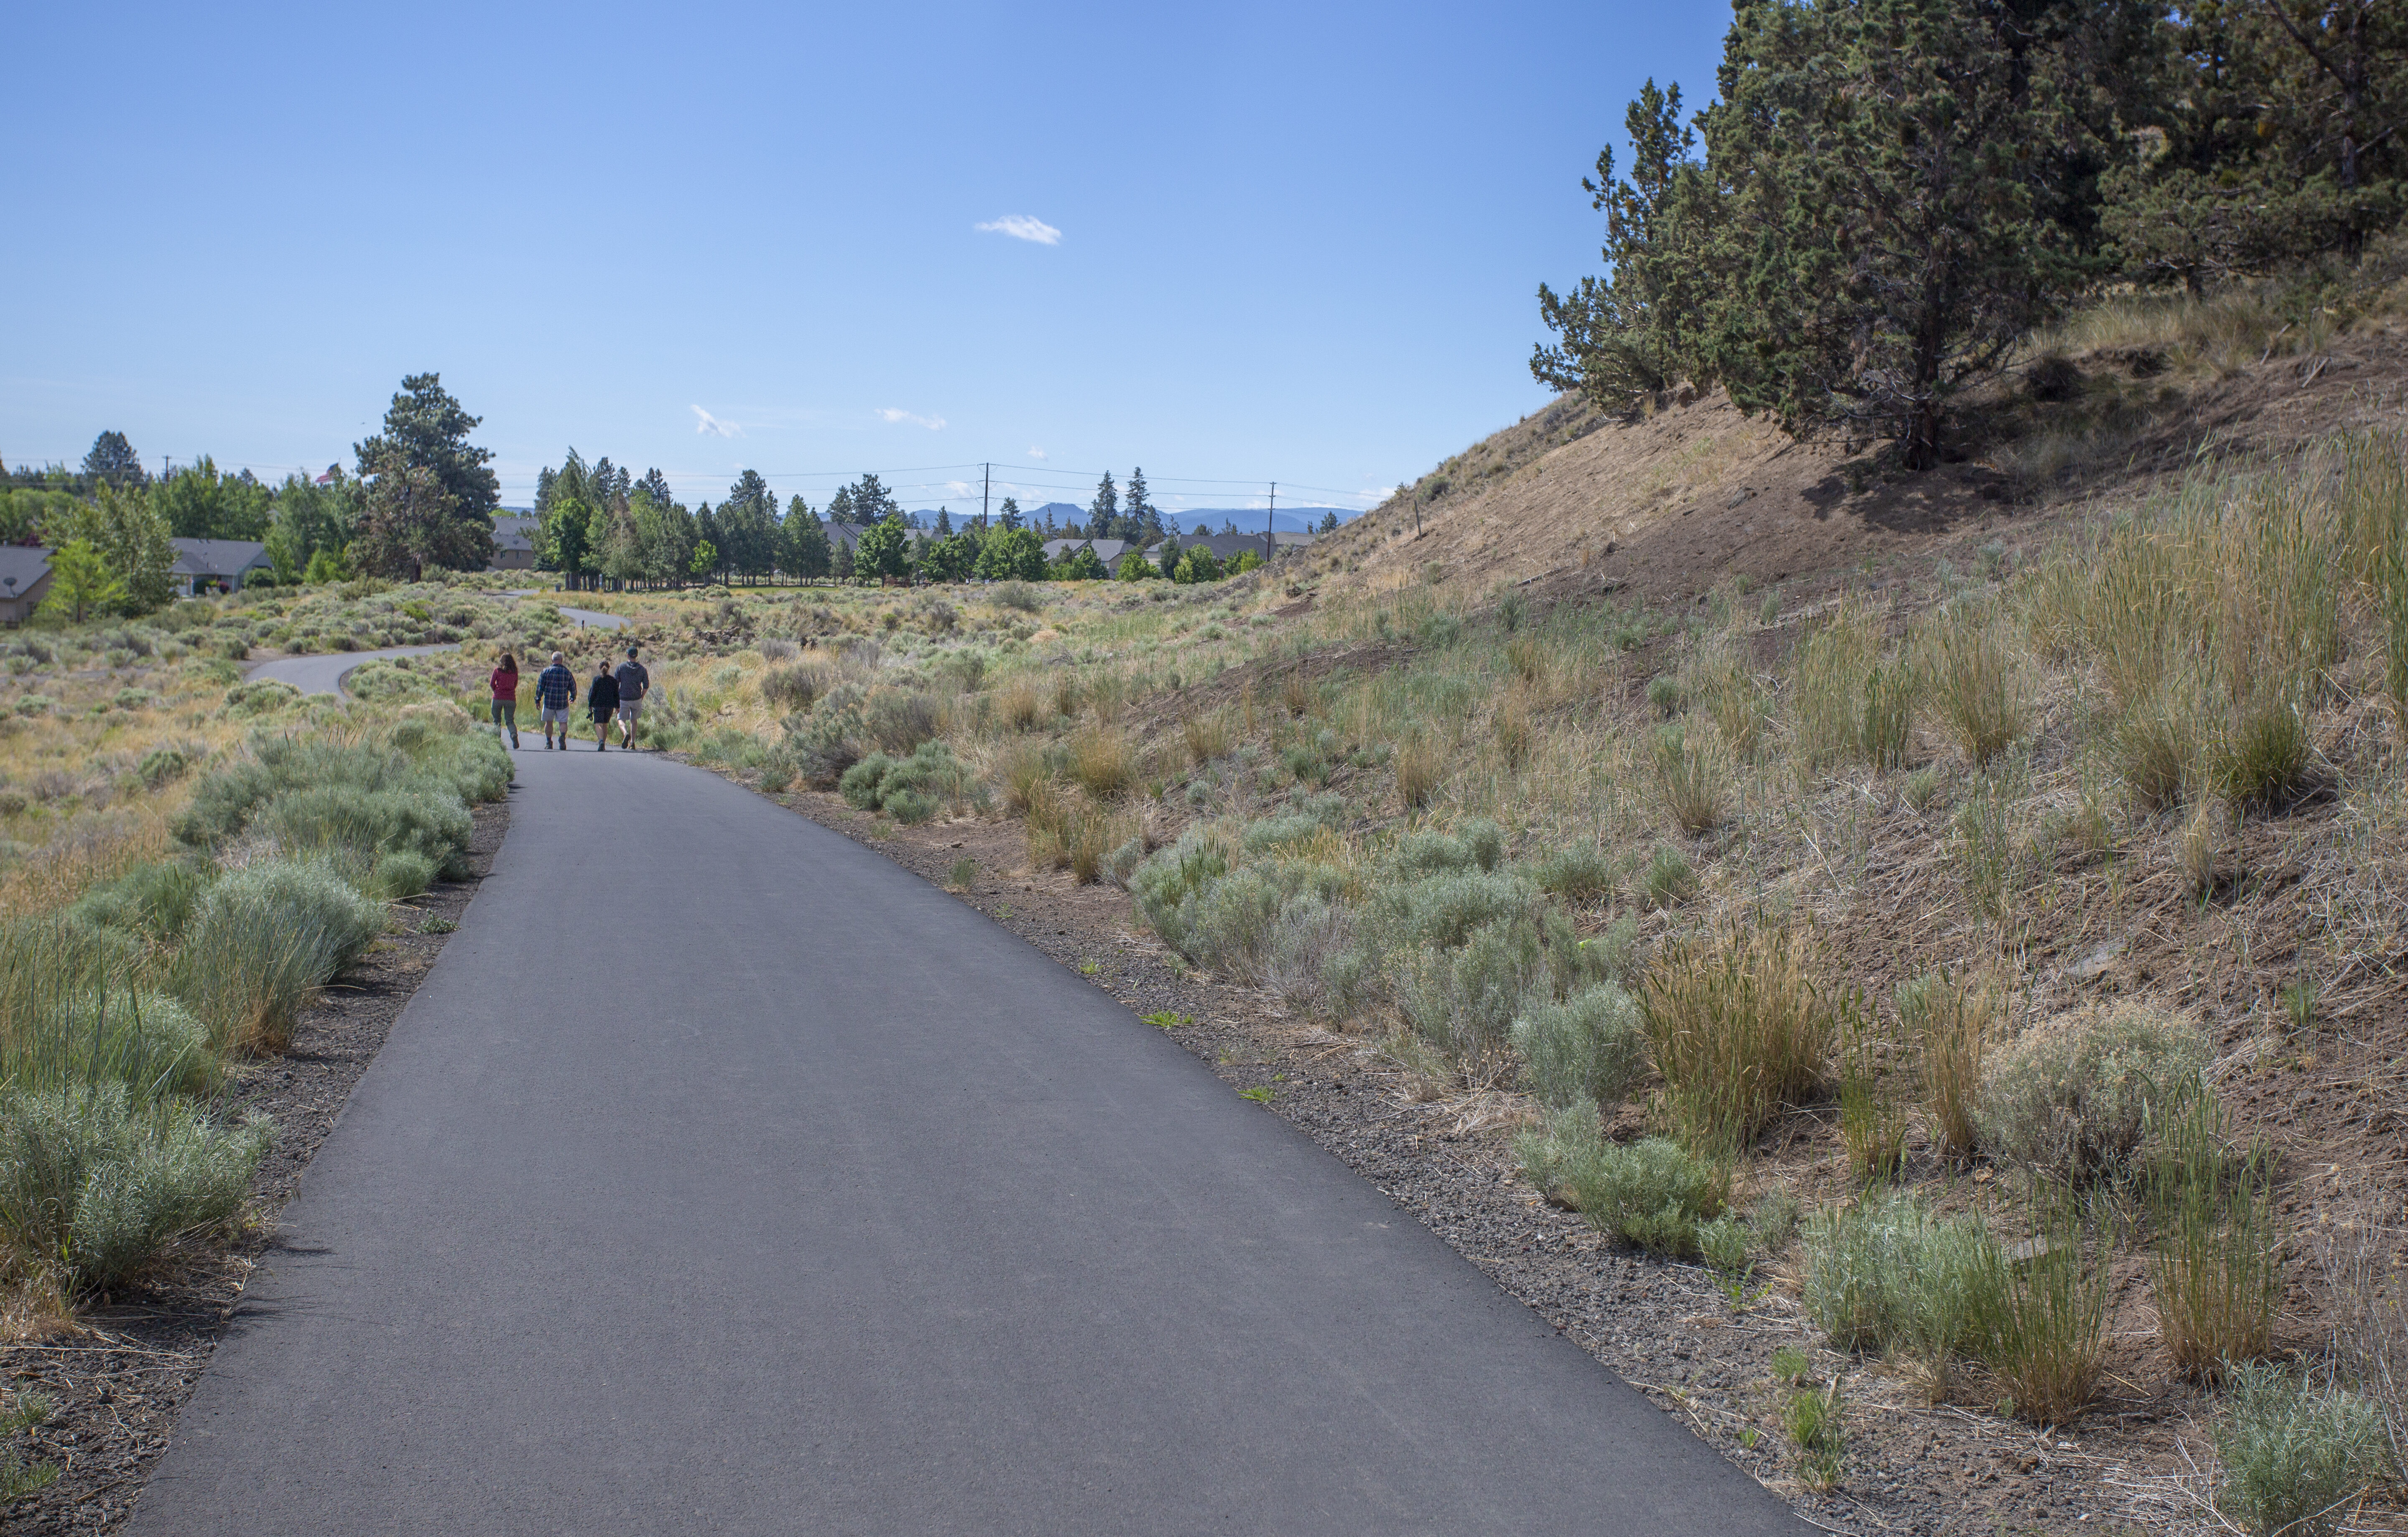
<point x="1270" y="544"/>
<point x="986" y="486"/>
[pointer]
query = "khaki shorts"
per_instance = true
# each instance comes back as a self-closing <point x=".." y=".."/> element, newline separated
<point x="630" y="709"/>
<point x="551" y="715"/>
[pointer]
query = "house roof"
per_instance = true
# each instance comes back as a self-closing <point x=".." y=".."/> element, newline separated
<point x="1107" y="551"/>
<point x="28" y="565"/>
<point x="512" y="532"/>
<point x="218" y="558"/>
<point x="1230" y="546"/>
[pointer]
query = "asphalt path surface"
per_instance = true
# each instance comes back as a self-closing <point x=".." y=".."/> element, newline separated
<point x="724" y="1177"/>
<point x="324" y="674"/>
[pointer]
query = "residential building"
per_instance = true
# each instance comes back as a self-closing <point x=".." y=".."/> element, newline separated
<point x="24" y="582"/>
<point x="216" y="565"/>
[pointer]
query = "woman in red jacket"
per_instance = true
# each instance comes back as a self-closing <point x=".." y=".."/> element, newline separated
<point x="506" y="698"/>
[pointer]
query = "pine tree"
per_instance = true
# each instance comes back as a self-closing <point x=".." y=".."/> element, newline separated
<point x="1105" y="510"/>
<point x="945" y="524"/>
<point x="113" y="462"/>
<point x="840" y="504"/>
<point x="1009" y="514"/>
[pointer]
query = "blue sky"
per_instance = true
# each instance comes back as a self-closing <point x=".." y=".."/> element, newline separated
<point x="1276" y="242"/>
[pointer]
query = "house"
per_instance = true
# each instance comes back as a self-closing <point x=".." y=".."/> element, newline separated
<point x="1107" y="551"/>
<point x="1228" y="547"/>
<point x="514" y="541"/>
<point x="24" y="582"/>
<point x="216" y="565"/>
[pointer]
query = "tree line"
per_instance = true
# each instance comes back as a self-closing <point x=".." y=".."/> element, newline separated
<point x="597" y="524"/>
<point x="1888" y="195"/>
<point x="420" y="497"/>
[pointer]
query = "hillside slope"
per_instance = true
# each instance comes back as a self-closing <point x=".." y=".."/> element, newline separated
<point x="1675" y="501"/>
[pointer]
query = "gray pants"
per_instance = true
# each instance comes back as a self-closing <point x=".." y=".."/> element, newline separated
<point x="506" y="717"/>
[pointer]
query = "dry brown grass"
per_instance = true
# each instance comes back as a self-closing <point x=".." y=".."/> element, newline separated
<point x="1104" y="764"/>
<point x="1206" y="734"/>
<point x="1419" y="768"/>
<point x="1023" y="704"/>
<point x="1738" y="1026"/>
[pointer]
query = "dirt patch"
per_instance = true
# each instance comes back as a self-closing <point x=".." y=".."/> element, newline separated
<point x="118" y="1379"/>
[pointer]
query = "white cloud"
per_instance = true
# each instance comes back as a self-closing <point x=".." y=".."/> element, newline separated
<point x="1023" y="227"/>
<point x="890" y="414"/>
<point x="1036" y="453"/>
<point x="712" y="426"/>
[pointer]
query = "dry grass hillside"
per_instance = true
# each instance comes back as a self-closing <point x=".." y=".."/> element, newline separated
<point x="1693" y="492"/>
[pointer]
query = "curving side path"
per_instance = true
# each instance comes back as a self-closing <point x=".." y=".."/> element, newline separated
<point x="723" y="1177"/>
<point x="323" y="673"/>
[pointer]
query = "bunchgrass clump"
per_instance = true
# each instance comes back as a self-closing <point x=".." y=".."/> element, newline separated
<point x="1738" y="1027"/>
<point x="1950" y="1022"/>
<point x="1976" y="688"/>
<point x="265" y="939"/>
<point x="1815" y="1425"/>
<point x="2217" y="1260"/>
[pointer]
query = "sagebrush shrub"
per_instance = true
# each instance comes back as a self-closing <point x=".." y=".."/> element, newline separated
<point x="155" y="900"/>
<point x="1651" y="1193"/>
<point x="2076" y="1096"/>
<point x="2294" y="1455"/>
<point x="1463" y="999"/>
<point x="897" y="720"/>
<point x="345" y="819"/>
<point x="146" y="1040"/>
<point x="1586" y="1047"/>
<point x="1576" y="873"/>
<point x="95" y="1182"/>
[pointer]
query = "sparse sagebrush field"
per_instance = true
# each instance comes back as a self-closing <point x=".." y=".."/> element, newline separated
<point x="1983" y="981"/>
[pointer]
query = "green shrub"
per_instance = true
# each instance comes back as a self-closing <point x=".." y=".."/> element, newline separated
<point x="859" y="784"/>
<point x="260" y="696"/>
<point x="1651" y="1193"/>
<point x="264" y="938"/>
<point x="95" y="1182"/>
<point x="2294" y="1455"/>
<point x="909" y="807"/>
<point x="163" y="764"/>
<point x="2076" y="1098"/>
<point x="1669" y="881"/>
<point x="1587" y="1047"/>
<point x="1568" y="1137"/>
<point x="1888" y="1275"/>
<point x="1577" y="873"/>
<point x="1463" y="1000"/>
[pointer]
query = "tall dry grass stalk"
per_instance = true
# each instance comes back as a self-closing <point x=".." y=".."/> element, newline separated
<point x="1692" y="779"/>
<point x="2049" y="1343"/>
<point x="1951" y="1023"/>
<point x="2216" y="1263"/>
<point x="1976" y="687"/>
<point x="1419" y="768"/>
<point x="1206" y="735"/>
<point x="1103" y="762"/>
<point x="1738" y="1027"/>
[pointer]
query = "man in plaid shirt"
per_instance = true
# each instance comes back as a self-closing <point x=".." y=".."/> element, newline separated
<point x="555" y="690"/>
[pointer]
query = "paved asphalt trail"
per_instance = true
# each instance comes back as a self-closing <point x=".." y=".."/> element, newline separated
<point x="325" y="672"/>
<point x="724" y="1177"/>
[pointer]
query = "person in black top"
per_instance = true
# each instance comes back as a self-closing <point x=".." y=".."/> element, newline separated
<point x="602" y="698"/>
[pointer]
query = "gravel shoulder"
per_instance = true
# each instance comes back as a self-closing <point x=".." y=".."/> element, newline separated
<point x="117" y="1379"/>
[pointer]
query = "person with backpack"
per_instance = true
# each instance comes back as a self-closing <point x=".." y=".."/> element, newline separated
<point x="505" y="684"/>
<point x="634" y="683"/>
<point x="555" y="690"/>
<point x="602" y="700"/>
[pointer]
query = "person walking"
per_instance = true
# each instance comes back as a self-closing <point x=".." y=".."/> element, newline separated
<point x="602" y="699"/>
<point x="634" y="683"/>
<point x="555" y="690"/>
<point x="505" y="698"/>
